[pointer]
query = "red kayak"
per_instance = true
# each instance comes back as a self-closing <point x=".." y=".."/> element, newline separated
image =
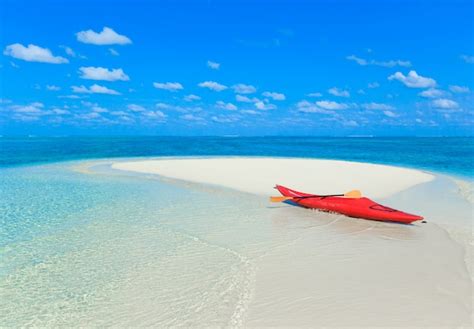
<point x="360" y="207"/>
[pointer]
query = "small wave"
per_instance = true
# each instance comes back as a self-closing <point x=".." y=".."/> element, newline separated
<point x="466" y="189"/>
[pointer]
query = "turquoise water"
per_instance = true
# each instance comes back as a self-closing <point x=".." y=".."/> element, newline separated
<point x="84" y="246"/>
<point x="453" y="155"/>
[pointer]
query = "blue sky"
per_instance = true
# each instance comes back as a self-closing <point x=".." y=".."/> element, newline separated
<point x="236" y="67"/>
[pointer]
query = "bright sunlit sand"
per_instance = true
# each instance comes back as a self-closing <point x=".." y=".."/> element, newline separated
<point x="334" y="270"/>
<point x="259" y="175"/>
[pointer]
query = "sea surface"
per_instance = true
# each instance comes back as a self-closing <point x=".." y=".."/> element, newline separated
<point x="82" y="244"/>
<point x="453" y="155"/>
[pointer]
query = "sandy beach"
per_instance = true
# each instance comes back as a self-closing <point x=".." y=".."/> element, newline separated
<point x="330" y="270"/>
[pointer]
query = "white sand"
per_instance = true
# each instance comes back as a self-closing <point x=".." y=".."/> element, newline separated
<point x="330" y="270"/>
<point x="259" y="175"/>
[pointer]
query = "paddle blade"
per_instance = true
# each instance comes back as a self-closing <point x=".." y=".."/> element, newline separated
<point x="355" y="194"/>
<point x="280" y="198"/>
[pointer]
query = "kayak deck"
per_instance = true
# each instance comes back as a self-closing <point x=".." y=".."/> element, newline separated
<point x="352" y="207"/>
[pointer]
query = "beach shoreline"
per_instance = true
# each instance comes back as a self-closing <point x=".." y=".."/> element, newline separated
<point x="446" y="236"/>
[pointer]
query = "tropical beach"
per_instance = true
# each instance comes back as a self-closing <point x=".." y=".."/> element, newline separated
<point x="195" y="241"/>
<point x="236" y="164"/>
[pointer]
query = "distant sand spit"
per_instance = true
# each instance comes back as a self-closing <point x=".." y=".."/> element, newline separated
<point x="259" y="175"/>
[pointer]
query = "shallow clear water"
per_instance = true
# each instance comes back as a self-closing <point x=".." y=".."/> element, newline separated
<point x="98" y="247"/>
<point x="453" y="155"/>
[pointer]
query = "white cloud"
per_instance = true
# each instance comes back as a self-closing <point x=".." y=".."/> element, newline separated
<point x="191" y="97"/>
<point x="101" y="73"/>
<point x="155" y="115"/>
<point x="162" y="106"/>
<point x="106" y="37"/>
<point x="390" y="63"/>
<point x="33" y="53"/>
<point x="119" y="113"/>
<point x="413" y="80"/>
<point x="338" y="92"/>
<point x="432" y="93"/>
<point x="468" y="59"/>
<point x="212" y="85"/>
<point x="99" y="109"/>
<point x="136" y="108"/>
<point x="213" y="65"/>
<point x="35" y="108"/>
<point x="308" y="107"/>
<point x="225" y="118"/>
<point x="330" y="105"/>
<point x="69" y="51"/>
<point x="264" y="106"/>
<point x="444" y="103"/>
<point x="252" y="112"/>
<point x="192" y="117"/>
<point x="377" y="106"/>
<point x="241" y="88"/>
<point x="315" y="95"/>
<point x="390" y="114"/>
<point x="373" y="85"/>
<point x="53" y="88"/>
<point x="94" y="89"/>
<point x="275" y="96"/>
<point x="459" y="89"/>
<point x="170" y="86"/>
<point x="113" y="52"/>
<point x="358" y="60"/>
<point x="245" y="99"/>
<point x="226" y="106"/>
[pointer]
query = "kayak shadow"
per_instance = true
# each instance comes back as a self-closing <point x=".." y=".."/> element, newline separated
<point x="294" y="216"/>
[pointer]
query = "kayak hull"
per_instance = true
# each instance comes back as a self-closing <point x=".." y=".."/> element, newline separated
<point x="359" y="208"/>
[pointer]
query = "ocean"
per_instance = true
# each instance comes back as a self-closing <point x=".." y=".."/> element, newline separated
<point x="451" y="155"/>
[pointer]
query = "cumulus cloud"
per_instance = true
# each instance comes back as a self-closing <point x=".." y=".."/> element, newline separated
<point x="444" y="103"/>
<point x="390" y="63"/>
<point x="307" y="107"/>
<point x="432" y="93"/>
<point x="459" y="89"/>
<point x="226" y="106"/>
<point x="315" y="95"/>
<point x="170" y="86"/>
<point x="106" y="37"/>
<point x="213" y="65"/>
<point x="225" y="118"/>
<point x="264" y="106"/>
<point x="275" y="96"/>
<point x="191" y="97"/>
<point x="94" y="89"/>
<point x="136" y="108"/>
<point x="245" y="99"/>
<point x="373" y="85"/>
<point x="101" y="73"/>
<point x="212" y="85"/>
<point x="113" y="52"/>
<point x="244" y="89"/>
<point x="390" y="114"/>
<point x="338" y="92"/>
<point x="377" y="106"/>
<point x="53" y="88"/>
<point x="330" y="105"/>
<point x="468" y="59"/>
<point x="413" y="80"/>
<point x="33" y="53"/>
<point x="155" y="115"/>
<point x="192" y="117"/>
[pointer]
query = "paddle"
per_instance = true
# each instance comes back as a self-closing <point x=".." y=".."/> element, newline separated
<point x="354" y="194"/>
